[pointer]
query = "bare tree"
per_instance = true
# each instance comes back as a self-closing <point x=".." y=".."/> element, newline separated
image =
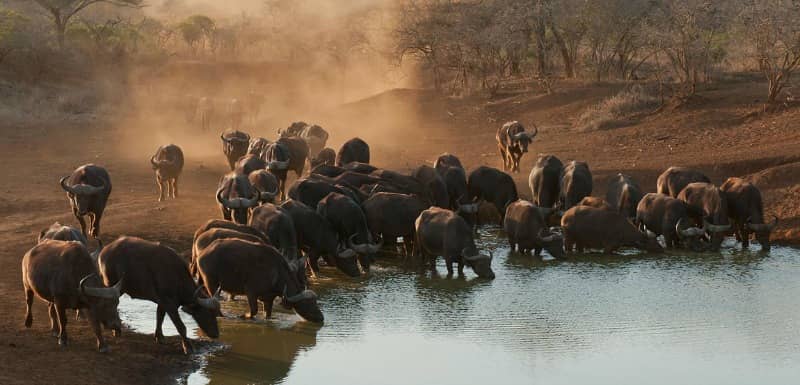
<point x="773" y="28"/>
<point x="62" y="11"/>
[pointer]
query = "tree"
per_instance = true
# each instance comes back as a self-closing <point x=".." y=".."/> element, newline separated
<point x="197" y="29"/>
<point x="62" y="11"/>
<point x="773" y="28"/>
<point x="11" y="35"/>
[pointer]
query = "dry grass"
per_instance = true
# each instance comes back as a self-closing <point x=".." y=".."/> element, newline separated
<point x="619" y="109"/>
<point x="24" y="103"/>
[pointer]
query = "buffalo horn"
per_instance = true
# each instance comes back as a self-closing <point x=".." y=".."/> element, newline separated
<point x="112" y="292"/>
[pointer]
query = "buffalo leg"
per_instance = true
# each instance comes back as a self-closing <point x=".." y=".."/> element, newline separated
<point x="160" y="183"/>
<point x="505" y="158"/>
<point x="62" y="324"/>
<point x="81" y="221"/>
<point x="28" y="305"/>
<point x="172" y="312"/>
<point x="745" y="237"/>
<point x="449" y="264"/>
<point x="460" y="269"/>
<point x="252" y="302"/>
<point x="174" y="184"/>
<point x="102" y="347"/>
<point x="268" y="302"/>
<point x="537" y="251"/>
<point x="51" y="309"/>
<point x="159" y="321"/>
<point x="96" y="224"/>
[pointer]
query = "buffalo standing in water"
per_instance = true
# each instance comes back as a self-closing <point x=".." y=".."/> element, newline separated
<point x="526" y="227"/>
<point x="746" y="210"/>
<point x="88" y="189"/>
<point x="545" y="181"/>
<point x="443" y="232"/>
<point x="168" y="165"/>
<point x="590" y="227"/>
<point x="708" y="207"/>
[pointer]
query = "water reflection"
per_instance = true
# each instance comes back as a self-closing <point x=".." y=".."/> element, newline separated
<point x="725" y="318"/>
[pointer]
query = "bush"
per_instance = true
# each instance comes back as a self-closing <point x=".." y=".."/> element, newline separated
<point x="619" y="109"/>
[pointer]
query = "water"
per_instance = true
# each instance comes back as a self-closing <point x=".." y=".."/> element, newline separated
<point x="729" y="318"/>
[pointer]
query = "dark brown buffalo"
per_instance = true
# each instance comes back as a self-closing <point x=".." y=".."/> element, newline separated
<point x="236" y="196"/>
<point x="708" y="207"/>
<point x="443" y="232"/>
<point x="266" y="184"/>
<point x="261" y="273"/>
<point x="205" y="238"/>
<point x="446" y="161"/>
<point x="326" y="156"/>
<point x="88" y="189"/>
<point x="668" y="216"/>
<point x="349" y="220"/>
<point x="576" y="183"/>
<point x="219" y="223"/>
<point x="234" y="145"/>
<point x="311" y="191"/>
<point x="298" y="153"/>
<point x="545" y="181"/>
<point x="599" y="203"/>
<point x="63" y="274"/>
<point x="277" y="225"/>
<point x="391" y="215"/>
<point x="493" y="186"/>
<point x="278" y="161"/>
<point x="256" y="146"/>
<point x="353" y="150"/>
<point x="674" y="179"/>
<point x="623" y="195"/>
<point x="527" y="228"/>
<point x="168" y="164"/>
<point x="315" y="136"/>
<point x="434" y="185"/>
<point x="249" y="163"/>
<point x="317" y="237"/>
<point x="157" y="273"/>
<point x="746" y="211"/>
<point x="590" y="227"/>
<point x="59" y="232"/>
<point x="327" y="170"/>
<point x="513" y="141"/>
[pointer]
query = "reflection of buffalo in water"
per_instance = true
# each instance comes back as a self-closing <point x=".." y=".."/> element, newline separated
<point x="260" y="353"/>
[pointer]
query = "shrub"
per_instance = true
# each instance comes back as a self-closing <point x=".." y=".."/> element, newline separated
<point x="619" y="109"/>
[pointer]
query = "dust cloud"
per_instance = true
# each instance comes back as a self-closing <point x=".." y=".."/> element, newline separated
<point x="322" y="62"/>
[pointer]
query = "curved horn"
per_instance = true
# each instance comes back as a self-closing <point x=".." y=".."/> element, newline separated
<point x="362" y="248"/>
<point x="153" y="162"/>
<point x="253" y="201"/>
<point x="475" y="257"/>
<point x="208" y="303"/>
<point x="222" y="136"/>
<point x="64" y="186"/>
<point x="303" y="295"/>
<point x="220" y="199"/>
<point x="346" y="253"/>
<point x="688" y="232"/>
<point x="87" y="189"/>
<point x="373" y="248"/>
<point x="268" y="196"/>
<point x="548" y="238"/>
<point x="763" y="227"/>
<point x="535" y="131"/>
<point x="712" y="228"/>
<point x="112" y="292"/>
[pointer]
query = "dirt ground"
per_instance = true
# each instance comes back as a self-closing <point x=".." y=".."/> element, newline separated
<point x="713" y="134"/>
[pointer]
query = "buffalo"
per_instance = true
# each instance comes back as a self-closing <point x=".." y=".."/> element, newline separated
<point x="446" y="161"/>
<point x="326" y="156"/>
<point x="88" y="189"/>
<point x="168" y="164"/>
<point x="669" y="217"/>
<point x="434" y="185"/>
<point x="234" y="145"/>
<point x="443" y="232"/>
<point x="708" y="207"/>
<point x="746" y="210"/>
<point x="266" y="184"/>
<point x="599" y="203"/>
<point x="249" y="163"/>
<point x="205" y="113"/>
<point x="315" y="136"/>
<point x="493" y="186"/>
<point x="513" y="141"/>
<point x="449" y="167"/>
<point x="359" y="167"/>
<point x="259" y="272"/>
<point x="349" y="220"/>
<point x="59" y="232"/>
<point x="278" y="226"/>
<point x="623" y="195"/>
<point x="576" y="183"/>
<point x="157" y="273"/>
<point x="391" y="215"/>
<point x="317" y="237"/>
<point x="236" y="196"/>
<point x="328" y="170"/>
<point x="63" y="274"/>
<point x="672" y="181"/>
<point x="256" y="146"/>
<point x="354" y="150"/>
<point x="545" y="181"/>
<point x="527" y="228"/>
<point x="590" y="227"/>
<point x="311" y="191"/>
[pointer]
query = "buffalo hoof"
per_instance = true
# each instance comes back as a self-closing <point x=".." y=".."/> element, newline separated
<point x="62" y="341"/>
<point x="161" y="340"/>
<point x="28" y="321"/>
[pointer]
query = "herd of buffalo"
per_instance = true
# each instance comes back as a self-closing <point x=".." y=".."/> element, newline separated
<point x="346" y="211"/>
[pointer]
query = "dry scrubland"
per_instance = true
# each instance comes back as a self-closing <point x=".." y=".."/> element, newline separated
<point x="414" y="81"/>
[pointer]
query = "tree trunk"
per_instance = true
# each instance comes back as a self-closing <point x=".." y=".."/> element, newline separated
<point x="569" y="70"/>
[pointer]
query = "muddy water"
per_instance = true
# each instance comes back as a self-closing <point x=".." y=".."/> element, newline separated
<point x="729" y="318"/>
